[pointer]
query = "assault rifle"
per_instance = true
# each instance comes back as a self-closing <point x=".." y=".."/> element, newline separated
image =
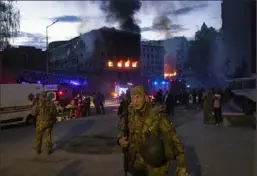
<point x="125" y="149"/>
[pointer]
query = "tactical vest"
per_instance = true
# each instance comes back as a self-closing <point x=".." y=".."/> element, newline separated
<point x="157" y="149"/>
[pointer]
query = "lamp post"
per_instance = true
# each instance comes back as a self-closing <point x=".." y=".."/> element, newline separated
<point x="47" y="69"/>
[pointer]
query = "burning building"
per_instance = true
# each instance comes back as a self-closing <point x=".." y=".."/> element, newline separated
<point x="105" y="56"/>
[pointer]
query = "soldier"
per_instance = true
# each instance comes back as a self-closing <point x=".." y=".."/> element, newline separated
<point x="145" y="121"/>
<point x="207" y="107"/>
<point x="35" y="101"/>
<point x="45" y="110"/>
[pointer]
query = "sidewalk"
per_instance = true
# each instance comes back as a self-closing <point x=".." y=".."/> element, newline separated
<point x="220" y="151"/>
<point x="214" y="151"/>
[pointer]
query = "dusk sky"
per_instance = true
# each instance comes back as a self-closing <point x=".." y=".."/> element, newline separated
<point x="82" y="16"/>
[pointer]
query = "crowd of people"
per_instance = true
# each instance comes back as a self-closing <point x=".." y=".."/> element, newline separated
<point x="170" y="99"/>
<point x="80" y="106"/>
<point x="208" y="100"/>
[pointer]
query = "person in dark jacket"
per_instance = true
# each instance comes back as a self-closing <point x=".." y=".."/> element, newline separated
<point x="170" y="103"/>
<point x="101" y="101"/>
<point x="159" y="97"/>
<point x="123" y="105"/>
<point x="86" y="105"/>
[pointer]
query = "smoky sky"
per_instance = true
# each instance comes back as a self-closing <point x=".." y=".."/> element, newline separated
<point x="189" y="9"/>
<point x="163" y="24"/>
<point x="122" y="12"/>
<point x="67" y="19"/>
<point x="33" y="39"/>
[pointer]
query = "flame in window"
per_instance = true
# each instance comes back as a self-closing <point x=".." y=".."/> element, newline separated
<point x="168" y="75"/>
<point x="110" y="64"/>
<point x="134" y="64"/>
<point x="127" y="64"/>
<point x="119" y="64"/>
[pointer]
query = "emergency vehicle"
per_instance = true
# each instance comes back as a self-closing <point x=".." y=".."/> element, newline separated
<point x="16" y="101"/>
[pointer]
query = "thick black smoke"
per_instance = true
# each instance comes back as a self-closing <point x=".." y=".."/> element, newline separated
<point x="163" y="24"/>
<point x="122" y="11"/>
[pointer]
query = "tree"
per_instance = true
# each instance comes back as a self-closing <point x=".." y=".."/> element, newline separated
<point x="9" y="22"/>
<point x="200" y="48"/>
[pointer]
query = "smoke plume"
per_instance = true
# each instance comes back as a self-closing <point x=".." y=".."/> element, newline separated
<point x="163" y="24"/>
<point x="122" y="12"/>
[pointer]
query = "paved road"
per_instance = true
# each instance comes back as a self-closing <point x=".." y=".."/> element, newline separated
<point x="210" y="152"/>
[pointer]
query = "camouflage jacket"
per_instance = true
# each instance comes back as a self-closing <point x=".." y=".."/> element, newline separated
<point x="45" y="110"/>
<point x="151" y="121"/>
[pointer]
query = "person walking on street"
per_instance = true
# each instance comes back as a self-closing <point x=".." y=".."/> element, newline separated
<point x="96" y="103"/>
<point x="101" y="102"/>
<point x="170" y="104"/>
<point x="217" y="108"/>
<point x="207" y="107"/>
<point x="86" y="103"/>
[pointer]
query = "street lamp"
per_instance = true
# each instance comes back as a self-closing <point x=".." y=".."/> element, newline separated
<point x="47" y="70"/>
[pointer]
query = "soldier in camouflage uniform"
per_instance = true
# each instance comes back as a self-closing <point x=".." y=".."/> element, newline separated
<point x="143" y="119"/>
<point x="45" y="110"/>
<point x="35" y="101"/>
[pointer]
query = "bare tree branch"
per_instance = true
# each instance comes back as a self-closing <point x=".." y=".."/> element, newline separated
<point x="9" y="22"/>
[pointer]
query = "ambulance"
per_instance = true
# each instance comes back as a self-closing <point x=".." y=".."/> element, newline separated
<point x="16" y="102"/>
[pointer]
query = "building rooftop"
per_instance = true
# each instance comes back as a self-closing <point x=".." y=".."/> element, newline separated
<point x="152" y="43"/>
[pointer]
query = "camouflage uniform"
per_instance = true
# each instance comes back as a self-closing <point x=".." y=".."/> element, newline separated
<point x="151" y="121"/>
<point x="207" y="107"/>
<point x="46" y="112"/>
<point x="34" y="104"/>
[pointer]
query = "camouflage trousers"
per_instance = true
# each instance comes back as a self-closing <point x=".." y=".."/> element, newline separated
<point x="41" y="129"/>
<point x="207" y="112"/>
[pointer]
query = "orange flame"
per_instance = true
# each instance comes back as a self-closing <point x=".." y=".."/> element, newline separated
<point x="168" y="75"/>
<point x="119" y="64"/>
<point x="127" y="64"/>
<point x="110" y="64"/>
<point x="134" y="64"/>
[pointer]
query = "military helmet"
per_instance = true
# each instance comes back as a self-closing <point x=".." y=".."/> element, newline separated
<point x="153" y="151"/>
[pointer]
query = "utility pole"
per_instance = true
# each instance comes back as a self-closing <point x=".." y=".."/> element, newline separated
<point x="47" y="56"/>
